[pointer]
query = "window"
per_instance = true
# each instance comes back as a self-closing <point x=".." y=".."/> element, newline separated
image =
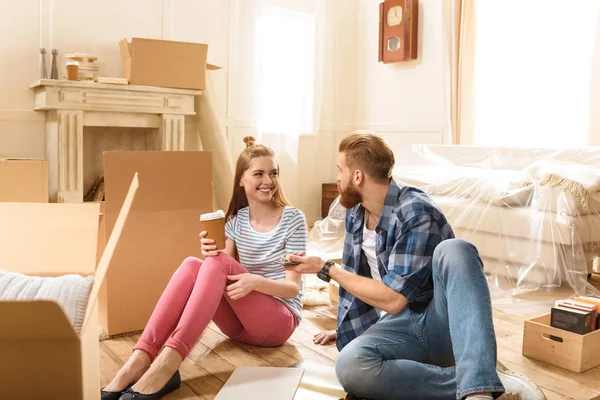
<point x="285" y="71"/>
<point x="533" y="67"/>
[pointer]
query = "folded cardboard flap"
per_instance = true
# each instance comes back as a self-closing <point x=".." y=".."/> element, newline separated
<point x="110" y="248"/>
<point x="125" y="57"/>
<point x="48" y="239"/>
<point x="37" y="320"/>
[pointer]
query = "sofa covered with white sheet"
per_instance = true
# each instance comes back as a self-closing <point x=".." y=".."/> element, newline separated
<point x="533" y="214"/>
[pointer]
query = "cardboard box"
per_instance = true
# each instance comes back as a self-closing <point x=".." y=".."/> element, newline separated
<point x="42" y="356"/>
<point x="23" y="180"/>
<point x="576" y="352"/>
<point x="162" y="229"/>
<point x="165" y="63"/>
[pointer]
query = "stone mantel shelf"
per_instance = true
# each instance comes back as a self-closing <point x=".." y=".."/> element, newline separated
<point x="71" y="105"/>
<point x="52" y="94"/>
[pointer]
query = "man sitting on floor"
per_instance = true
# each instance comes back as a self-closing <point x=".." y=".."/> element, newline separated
<point x="414" y="315"/>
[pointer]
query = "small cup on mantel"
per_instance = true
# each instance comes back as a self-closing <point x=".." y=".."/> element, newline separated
<point x="72" y="70"/>
<point x="214" y="225"/>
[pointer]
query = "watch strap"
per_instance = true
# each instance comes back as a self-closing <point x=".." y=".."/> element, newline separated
<point x="323" y="274"/>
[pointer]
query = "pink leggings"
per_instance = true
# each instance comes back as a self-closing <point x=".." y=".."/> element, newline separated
<point x="196" y="295"/>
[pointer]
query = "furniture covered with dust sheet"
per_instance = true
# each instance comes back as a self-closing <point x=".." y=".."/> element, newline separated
<point x="532" y="213"/>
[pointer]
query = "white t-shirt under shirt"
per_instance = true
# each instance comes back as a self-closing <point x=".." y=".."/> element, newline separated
<point x="369" y="244"/>
<point x="369" y="247"/>
<point x="260" y="252"/>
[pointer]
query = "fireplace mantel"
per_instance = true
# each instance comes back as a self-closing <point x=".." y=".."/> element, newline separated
<point x="71" y="105"/>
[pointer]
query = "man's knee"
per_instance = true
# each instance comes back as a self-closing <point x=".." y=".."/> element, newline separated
<point x="355" y="367"/>
<point x="457" y="254"/>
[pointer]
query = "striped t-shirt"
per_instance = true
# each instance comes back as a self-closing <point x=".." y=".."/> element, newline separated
<point x="260" y="252"/>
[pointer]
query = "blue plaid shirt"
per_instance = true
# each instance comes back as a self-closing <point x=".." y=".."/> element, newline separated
<point x="409" y="229"/>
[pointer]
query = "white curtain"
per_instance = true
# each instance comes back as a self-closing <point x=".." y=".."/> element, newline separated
<point x="460" y="34"/>
<point x="288" y="42"/>
<point x="284" y="49"/>
<point x="533" y="73"/>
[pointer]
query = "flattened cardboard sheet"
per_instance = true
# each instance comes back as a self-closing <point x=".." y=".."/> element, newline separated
<point x="261" y="383"/>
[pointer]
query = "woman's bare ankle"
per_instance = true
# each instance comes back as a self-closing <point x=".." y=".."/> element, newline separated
<point x="140" y="359"/>
<point x="137" y="364"/>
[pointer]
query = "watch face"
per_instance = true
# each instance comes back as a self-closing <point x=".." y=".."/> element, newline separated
<point x="394" y="15"/>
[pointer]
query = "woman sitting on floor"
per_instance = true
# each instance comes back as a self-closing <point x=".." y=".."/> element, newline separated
<point x="262" y="226"/>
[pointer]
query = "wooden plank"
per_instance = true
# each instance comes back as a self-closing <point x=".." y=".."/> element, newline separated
<point x="212" y="362"/>
<point x="556" y="384"/>
<point x="230" y="350"/>
<point x="214" y="358"/>
<point x="200" y="382"/>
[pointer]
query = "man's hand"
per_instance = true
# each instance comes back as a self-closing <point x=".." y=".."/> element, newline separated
<point x="244" y="284"/>
<point x="324" y="337"/>
<point x="308" y="265"/>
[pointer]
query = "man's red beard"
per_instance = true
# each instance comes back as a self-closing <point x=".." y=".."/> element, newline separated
<point x="349" y="196"/>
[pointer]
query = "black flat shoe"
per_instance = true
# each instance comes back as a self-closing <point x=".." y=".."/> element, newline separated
<point x="170" y="386"/>
<point x="106" y="395"/>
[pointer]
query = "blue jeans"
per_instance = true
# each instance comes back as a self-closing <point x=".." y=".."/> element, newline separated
<point x="446" y="352"/>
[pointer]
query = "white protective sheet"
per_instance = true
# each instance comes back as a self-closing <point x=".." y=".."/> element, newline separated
<point x="533" y="214"/>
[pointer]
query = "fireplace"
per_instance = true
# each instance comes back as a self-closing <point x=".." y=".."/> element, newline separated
<point x="85" y="118"/>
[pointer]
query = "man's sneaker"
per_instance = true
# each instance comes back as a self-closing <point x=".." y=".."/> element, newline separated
<point x="517" y="386"/>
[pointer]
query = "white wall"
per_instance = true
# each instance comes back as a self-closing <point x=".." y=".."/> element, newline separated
<point x="92" y="27"/>
<point x="402" y="101"/>
<point x="405" y="101"/>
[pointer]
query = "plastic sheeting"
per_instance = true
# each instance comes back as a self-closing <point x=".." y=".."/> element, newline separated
<point x="533" y="214"/>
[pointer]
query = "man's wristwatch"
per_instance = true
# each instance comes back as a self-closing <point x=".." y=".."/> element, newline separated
<point x="324" y="272"/>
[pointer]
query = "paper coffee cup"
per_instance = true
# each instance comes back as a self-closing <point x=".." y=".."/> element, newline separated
<point x="214" y="225"/>
<point x="72" y="70"/>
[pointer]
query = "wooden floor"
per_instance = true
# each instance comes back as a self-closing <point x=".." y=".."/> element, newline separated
<point x="214" y="358"/>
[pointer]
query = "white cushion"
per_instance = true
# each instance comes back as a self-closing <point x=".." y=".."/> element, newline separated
<point x="71" y="292"/>
<point x="524" y="222"/>
<point x="498" y="187"/>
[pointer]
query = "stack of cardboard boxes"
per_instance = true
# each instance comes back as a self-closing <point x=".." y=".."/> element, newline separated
<point x="158" y="228"/>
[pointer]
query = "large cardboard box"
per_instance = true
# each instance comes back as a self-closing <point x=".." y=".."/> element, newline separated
<point x="565" y="349"/>
<point x="165" y="63"/>
<point x="23" y="180"/>
<point x="162" y="229"/>
<point x="42" y="357"/>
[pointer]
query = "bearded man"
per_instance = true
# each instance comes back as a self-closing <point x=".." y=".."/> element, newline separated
<point x="414" y="316"/>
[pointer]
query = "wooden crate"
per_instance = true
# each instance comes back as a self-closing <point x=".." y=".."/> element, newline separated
<point x="576" y="352"/>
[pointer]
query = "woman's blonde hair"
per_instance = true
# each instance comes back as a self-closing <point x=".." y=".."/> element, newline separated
<point x="238" y="198"/>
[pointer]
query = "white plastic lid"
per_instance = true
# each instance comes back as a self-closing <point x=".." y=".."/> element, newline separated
<point x="212" y="216"/>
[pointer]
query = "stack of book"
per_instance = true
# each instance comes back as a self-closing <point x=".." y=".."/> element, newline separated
<point x="88" y="67"/>
<point x="581" y="315"/>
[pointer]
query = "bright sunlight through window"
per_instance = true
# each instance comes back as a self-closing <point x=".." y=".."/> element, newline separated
<point x="533" y="65"/>
<point x="285" y="56"/>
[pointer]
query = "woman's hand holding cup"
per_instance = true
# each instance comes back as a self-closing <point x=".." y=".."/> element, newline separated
<point x="207" y="245"/>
